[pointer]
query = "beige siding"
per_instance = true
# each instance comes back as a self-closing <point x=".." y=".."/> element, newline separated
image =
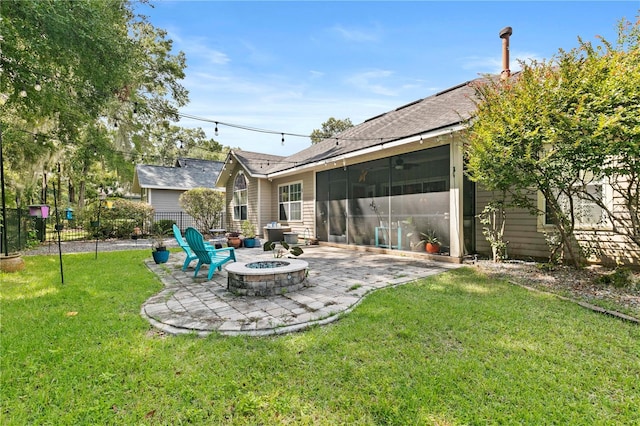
<point x="260" y="210"/>
<point x="527" y="240"/>
<point x="252" y="197"/>
<point x="520" y="231"/>
<point x="308" y="203"/>
<point x="266" y="204"/>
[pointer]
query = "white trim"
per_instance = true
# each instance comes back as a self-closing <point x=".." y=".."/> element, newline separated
<point x="233" y="197"/>
<point x="607" y="194"/>
<point x="289" y="184"/>
<point x="259" y="206"/>
<point x="447" y="131"/>
<point x="176" y="188"/>
<point x="456" y="194"/>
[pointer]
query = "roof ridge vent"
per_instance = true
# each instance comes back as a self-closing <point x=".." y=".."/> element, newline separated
<point x="373" y="118"/>
<point x="451" y="89"/>
<point x="408" y="105"/>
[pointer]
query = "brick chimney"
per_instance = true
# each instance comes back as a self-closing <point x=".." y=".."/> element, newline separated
<point x="505" y="33"/>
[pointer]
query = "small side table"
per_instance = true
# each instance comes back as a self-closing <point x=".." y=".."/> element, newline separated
<point x="390" y="245"/>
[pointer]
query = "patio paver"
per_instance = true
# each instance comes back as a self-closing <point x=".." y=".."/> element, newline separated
<point x="338" y="281"/>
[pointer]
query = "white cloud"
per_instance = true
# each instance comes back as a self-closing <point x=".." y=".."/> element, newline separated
<point x="356" y="35"/>
<point x="368" y="82"/>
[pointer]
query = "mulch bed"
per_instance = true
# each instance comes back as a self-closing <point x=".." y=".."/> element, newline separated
<point x="579" y="285"/>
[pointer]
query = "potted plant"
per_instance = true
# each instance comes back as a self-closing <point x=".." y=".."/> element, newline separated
<point x="248" y="230"/>
<point x="136" y="233"/>
<point x="233" y="239"/>
<point x="429" y="240"/>
<point x="160" y="252"/>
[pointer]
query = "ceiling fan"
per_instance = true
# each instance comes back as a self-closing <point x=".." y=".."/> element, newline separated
<point x="400" y="164"/>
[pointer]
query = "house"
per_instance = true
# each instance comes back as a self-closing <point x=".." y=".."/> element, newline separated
<point x="161" y="186"/>
<point x="390" y="179"/>
<point x="378" y="184"/>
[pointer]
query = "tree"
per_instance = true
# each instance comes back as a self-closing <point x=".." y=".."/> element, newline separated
<point x="557" y="127"/>
<point x="205" y="206"/>
<point x="609" y="109"/>
<point x="330" y="128"/>
<point x="91" y="81"/>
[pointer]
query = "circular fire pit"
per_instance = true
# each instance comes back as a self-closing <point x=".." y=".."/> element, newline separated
<point x="266" y="277"/>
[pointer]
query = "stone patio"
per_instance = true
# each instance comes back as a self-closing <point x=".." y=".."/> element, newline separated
<point x="338" y="280"/>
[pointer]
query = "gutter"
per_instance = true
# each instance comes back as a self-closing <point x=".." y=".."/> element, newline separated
<point x="434" y="133"/>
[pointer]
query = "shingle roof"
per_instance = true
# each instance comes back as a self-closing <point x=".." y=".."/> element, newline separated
<point x="258" y="163"/>
<point x="190" y="174"/>
<point x="444" y="109"/>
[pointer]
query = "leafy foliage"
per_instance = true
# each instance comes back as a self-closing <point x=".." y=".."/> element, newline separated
<point x="205" y="205"/>
<point x="119" y="221"/>
<point x="283" y="250"/>
<point x="248" y="229"/>
<point x="558" y="126"/>
<point x="163" y="227"/>
<point x="92" y="86"/>
<point x="493" y="219"/>
<point x="330" y="128"/>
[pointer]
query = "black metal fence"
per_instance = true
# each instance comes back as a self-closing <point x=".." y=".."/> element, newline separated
<point x="24" y="230"/>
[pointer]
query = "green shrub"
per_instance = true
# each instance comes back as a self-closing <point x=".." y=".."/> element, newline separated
<point x="123" y="228"/>
<point x="117" y="221"/>
<point x="205" y="206"/>
<point x="163" y="227"/>
<point x="620" y="278"/>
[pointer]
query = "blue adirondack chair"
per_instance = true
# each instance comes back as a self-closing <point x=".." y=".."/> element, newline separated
<point x="213" y="257"/>
<point x="191" y="256"/>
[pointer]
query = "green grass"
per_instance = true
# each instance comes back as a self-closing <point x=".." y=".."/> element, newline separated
<point x="452" y="349"/>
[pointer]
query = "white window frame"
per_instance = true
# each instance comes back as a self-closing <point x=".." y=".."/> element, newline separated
<point x="286" y="204"/>
<point x="580" y="225"/>
<point x="238" y="198"/>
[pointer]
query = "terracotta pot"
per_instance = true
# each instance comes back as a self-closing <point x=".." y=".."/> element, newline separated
<point x="234" y="242"/>
<point x="432" y="248"/>
<point x="11" y="263"/>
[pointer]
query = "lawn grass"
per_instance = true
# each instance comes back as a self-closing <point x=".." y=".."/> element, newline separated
<point x="452" y="349"/>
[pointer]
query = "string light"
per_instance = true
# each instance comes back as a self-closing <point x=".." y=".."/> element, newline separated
<point x="282" y="139"/>
<point x="38" y="87"/>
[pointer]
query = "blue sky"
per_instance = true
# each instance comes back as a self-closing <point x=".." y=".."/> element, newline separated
<point x="289" y="66"/>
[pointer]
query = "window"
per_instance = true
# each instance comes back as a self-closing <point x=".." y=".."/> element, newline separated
<point x="586" y="212"/>
<point x="240" y="197"/>
<point x="290" y="201"/>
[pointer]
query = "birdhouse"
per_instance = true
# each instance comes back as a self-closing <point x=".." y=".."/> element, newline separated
<point x="68" y="213"/>
<point x="39" y="210"/>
